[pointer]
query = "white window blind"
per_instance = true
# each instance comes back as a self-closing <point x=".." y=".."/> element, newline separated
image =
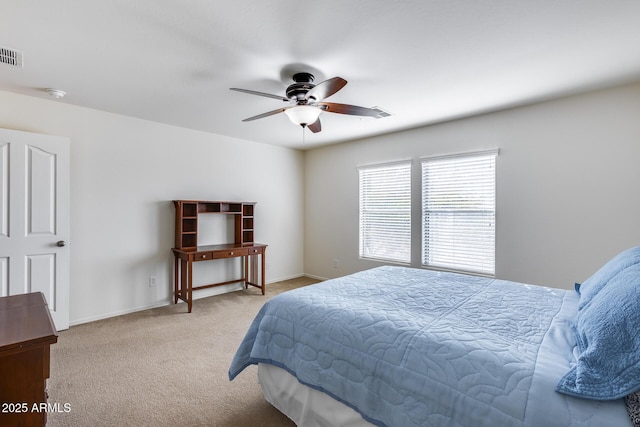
<point x="385" y="212"/>
<point x="458" y="212"/>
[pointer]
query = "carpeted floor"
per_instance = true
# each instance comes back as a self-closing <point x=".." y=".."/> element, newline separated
<point x="163" y="367"/>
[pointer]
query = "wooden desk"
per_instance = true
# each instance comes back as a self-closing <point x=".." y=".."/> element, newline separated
<point x="26" y="333"/>
<point x="183" y="268"/>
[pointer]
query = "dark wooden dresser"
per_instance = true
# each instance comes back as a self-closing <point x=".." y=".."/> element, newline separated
<point x="26" y="334"/>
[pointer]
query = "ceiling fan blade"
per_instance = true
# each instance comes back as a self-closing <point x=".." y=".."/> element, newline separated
<point x="253" y="92"/>
<point x="267" y="114"/>
<point x="326" y="88"/>
<point x="354" y="110"/>
<point x="315" y="127"/>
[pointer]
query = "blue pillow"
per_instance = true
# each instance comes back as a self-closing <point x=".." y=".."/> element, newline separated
<point x="607" y="331"/>
<point x="595" y="283"/>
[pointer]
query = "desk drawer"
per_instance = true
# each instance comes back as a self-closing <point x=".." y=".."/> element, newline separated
<point x="229" y="253"/>
<point x="202" y="256"/>
<point x="256" y="251"/>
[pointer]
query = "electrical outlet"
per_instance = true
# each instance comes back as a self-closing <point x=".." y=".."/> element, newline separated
<point x="336" y="263"/>
<point x="152" y="281"/>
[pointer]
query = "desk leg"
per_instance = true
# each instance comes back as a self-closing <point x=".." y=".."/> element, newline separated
<point x="246" y="272"/>
<point x="190" y="284"/>
<point x="175" y="280"/>
<point x="182" y="281"/>
<point x="262" y="278"/>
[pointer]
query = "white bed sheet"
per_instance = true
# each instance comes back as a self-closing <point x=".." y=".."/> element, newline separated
<point x="304" y="405"/>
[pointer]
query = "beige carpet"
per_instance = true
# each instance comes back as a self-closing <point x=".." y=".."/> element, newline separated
<point x="163" y="367"/>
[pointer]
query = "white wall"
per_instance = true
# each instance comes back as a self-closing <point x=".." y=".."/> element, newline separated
<point x="567" y="192"/>
<point x="124" y="174"/>
<point x="567" y="186"/>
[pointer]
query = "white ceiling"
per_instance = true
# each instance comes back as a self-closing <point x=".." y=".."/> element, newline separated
<point x="424" y="61"/>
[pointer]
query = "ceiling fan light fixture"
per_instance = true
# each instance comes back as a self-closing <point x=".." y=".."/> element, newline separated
<point x="303" y="115"/>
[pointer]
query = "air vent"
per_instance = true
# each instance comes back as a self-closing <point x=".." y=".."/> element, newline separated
<point x="381" y="112"/>
<point x="10" y="57"/>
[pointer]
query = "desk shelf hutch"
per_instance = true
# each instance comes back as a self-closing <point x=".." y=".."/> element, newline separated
<point x="187" y="251"/>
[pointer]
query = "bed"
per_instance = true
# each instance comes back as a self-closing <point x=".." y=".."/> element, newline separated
<point x="396" y="346"/>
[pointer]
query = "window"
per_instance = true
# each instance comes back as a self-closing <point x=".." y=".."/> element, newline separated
<point x="385" y="212"/>
<point x="458" y="212"/>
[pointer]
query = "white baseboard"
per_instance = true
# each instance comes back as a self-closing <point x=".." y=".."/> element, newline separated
<point x="311" y="276"/>
<point x="169" y="301"/>
<point x="282" y="279"/>
<point x="117" y="313"/>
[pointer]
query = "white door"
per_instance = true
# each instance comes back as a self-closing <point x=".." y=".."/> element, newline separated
<point x="34" y="219"/>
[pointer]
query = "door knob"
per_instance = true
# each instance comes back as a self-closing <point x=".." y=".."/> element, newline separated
<point x="61" y="243"/>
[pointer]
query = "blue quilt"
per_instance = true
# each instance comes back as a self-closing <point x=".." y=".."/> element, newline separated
<point x="412" y="347"/>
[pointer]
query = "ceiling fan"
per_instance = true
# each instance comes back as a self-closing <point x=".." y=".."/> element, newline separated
<point x="307" y="102"/>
